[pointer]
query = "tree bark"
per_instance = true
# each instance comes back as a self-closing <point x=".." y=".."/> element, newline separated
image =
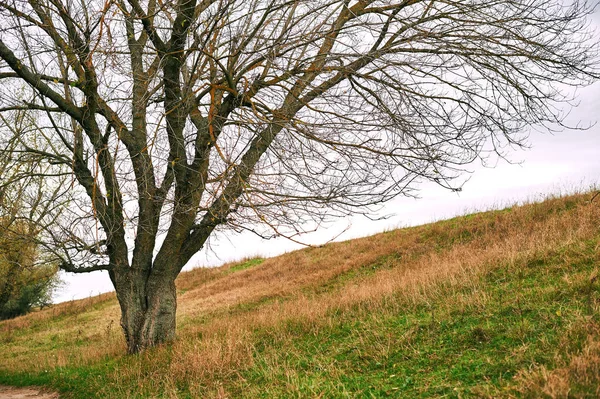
<point x="148" y="309"/>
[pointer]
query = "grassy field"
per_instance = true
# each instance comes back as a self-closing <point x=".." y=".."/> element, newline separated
<point x="499" y="304"/>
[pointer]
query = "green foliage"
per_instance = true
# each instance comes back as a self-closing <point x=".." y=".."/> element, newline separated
<point x="23" y="284"/>
<point x="33" y="289"/>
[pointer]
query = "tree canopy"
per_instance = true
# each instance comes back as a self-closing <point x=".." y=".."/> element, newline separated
<point x="24" y="285"/>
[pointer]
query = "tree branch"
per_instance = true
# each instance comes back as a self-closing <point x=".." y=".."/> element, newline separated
<point x="36" y="81"/>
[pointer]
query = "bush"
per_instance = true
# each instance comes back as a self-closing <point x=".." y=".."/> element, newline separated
<point x="33" y="290"/>
<point x="24" y="284"/>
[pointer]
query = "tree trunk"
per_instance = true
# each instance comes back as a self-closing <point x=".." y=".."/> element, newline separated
<point x="148" y="308"/>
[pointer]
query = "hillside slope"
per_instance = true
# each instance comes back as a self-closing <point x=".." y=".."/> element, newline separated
<point x="496" y="304"/>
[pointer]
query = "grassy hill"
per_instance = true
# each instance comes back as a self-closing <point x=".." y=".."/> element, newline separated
<point x="498" y="304"/>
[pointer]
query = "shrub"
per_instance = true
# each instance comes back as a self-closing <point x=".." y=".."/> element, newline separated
<point x="24" y="284"/>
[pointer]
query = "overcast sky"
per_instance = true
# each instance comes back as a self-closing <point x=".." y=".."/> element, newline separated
<point x="562" y="162"/>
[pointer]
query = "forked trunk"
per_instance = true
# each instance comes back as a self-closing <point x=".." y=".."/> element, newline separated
<point x="148" y="309"/>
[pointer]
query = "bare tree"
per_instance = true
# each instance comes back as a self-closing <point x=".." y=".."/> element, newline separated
<point x="178" y="119"/>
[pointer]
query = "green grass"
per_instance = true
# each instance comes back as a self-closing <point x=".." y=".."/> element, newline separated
<point x="446" y="348"/>
<point x="250" y="263"/>
<point x="499" y="331"/>
<point x="439" y="349"/>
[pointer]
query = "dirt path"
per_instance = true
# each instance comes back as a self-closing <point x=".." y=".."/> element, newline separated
<point x="25" y="393"/>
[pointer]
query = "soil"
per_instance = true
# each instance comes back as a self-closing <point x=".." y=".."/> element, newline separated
<point x="25" y="393"/>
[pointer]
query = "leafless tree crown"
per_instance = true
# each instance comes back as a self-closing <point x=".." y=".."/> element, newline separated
<point x="171" y="118"/>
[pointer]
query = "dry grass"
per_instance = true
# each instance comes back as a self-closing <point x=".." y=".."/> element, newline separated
<point x="74" y="332"/>
<point x="576" y="369"/>
<point x="220" y="312"/>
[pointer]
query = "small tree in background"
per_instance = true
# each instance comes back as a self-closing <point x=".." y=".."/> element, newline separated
<point x="24" y="285"/>
<point x="179" y="119"/>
